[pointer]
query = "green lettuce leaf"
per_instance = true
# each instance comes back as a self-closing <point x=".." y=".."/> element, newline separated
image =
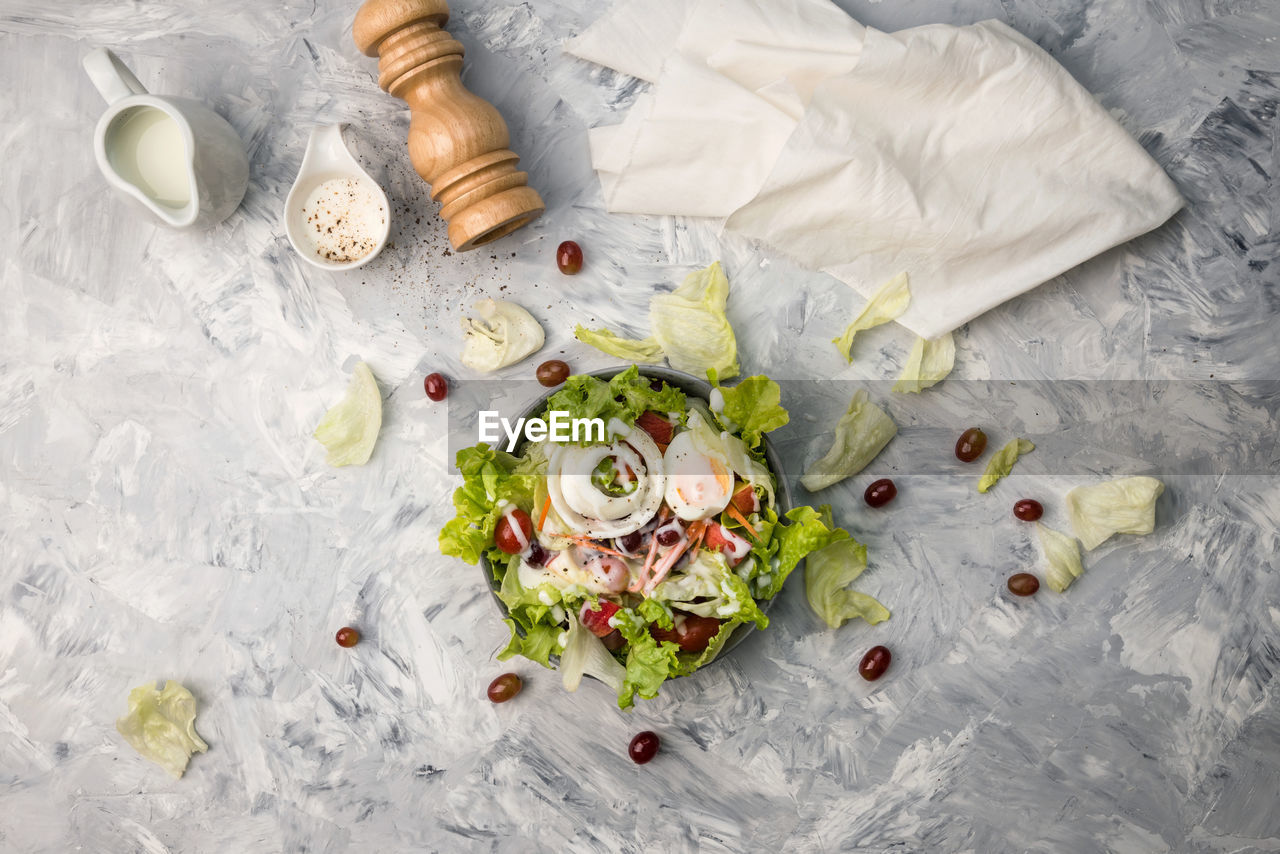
<point x="653" y="610"/>
<point x="649" y="664"/>
<point x="807" y="531"/>
<point x="349" y="430"/>
<point x="638" y="395"/>
<point x="927" y="364"/>
<point x="624" y="397"/>
<point x="161" y="726"/>
<point x="752" y="408"/>
<point x="527" y="606"/>
<point x="536" y="643"/>
<point x="691" y="326"/>
<point x="489" y="476"/>
<point x="1063" y="556"/>
<point x="1124" y="506"/>
<point x="1002" y="462"/>
<point x="861" y="434"/>
<point x="582" y="396"/>
<point x="643" y="350"/>
<point x="827" y="574"/>
<point x="886" y="304"/>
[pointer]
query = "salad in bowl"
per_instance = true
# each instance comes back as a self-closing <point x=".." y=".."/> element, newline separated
<point x="633" y="553"/>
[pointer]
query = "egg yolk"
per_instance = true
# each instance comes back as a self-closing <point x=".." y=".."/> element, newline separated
<point x="695" y="487"/>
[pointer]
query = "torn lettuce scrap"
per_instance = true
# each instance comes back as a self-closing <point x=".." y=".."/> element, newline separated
<point x="1124" y="506"/>
<point x="886" y="304"/>
<point x="1063" y="556"/>
<point x="161" y="726"/>
<point x="927" y="364"/>
<point x="645" y="350"/>
<point x="861" y="434"/>
<point x="688" y="326"/>
<point x="1002" y="462"/>
<point x="827" y="574"/>
<point x="349" y="430"/>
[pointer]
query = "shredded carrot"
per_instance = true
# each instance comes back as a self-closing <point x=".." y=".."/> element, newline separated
<point x="636" y="585"/>
<point x="737" y="514"/>
<point x="584" y="540"/>
<point x="697" y="542"/>
<point x="542" y="520"/>
<point x="669" y="559"/>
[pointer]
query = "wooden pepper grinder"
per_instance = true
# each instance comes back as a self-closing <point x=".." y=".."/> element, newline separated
<point x="457" y="140"/>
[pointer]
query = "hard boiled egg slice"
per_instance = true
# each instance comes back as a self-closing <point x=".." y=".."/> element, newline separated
<point x="699" y="483"/>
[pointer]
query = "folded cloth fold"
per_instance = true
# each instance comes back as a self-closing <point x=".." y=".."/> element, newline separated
<point x="965" y="157"/>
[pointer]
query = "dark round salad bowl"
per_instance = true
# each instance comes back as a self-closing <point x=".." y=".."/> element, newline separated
<point x="693" y="388"/>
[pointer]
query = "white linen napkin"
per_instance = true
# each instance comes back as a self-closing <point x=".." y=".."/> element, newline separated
<point x="963" y="156"/>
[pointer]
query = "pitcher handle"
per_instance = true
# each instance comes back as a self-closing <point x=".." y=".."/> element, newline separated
<point x="111" y="77"/>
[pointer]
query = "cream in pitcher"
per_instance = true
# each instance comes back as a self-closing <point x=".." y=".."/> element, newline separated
<point x="179" y="159"/>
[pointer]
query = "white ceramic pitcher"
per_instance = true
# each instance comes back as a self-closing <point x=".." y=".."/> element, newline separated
<point x="177" y="157"/>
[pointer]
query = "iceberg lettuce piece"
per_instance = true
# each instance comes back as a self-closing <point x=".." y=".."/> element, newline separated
<point x="861" y="434"/>
<point x="688" y="326"/>
<point x="1124" y="506"/>
<point x="885" y="305"/>
<point x="1063" y="556"/>
<point x="584" y="653"/>
<point x="645" y="350"/>
<point x="927" y="364"/>
<point x="691" y="326"/>
<point x="1002" y="462"/>
<point x="827" y="574"/>
<point x="718" y="591"/>
<point x="349" y="430"/>
<point x="161" y="726"/>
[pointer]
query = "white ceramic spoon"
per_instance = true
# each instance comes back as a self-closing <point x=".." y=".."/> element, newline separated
<point x="327" y="159"/>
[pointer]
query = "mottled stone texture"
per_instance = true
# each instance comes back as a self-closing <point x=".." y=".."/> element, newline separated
<point x="165" y="514"/>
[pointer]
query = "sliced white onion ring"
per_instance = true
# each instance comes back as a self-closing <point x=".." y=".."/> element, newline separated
<point x="588" y="511"/>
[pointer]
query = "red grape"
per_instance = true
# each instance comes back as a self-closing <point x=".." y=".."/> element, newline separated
<point x="504" y="687"/>
<point x="552" y="372"/>
<point x="1028" y="509"/>
<point x="437" y="387"/>
<point x="1023" y="584"/>
<point x="347" y="636"/>
<point x="880" y="493"/>
<point x="971" y="444"/>
<point x="569" y="257"/>
<point x="875" y="663"/>
<point x="643" y="747"/>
